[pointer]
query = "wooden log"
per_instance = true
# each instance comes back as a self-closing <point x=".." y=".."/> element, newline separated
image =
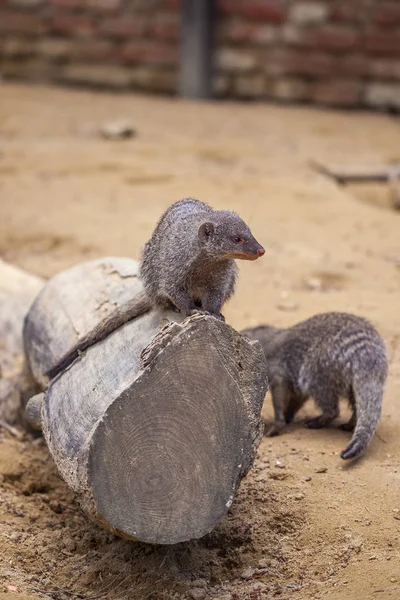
<point x="78" y="307"/>
<point x="387" y="174"/>
<point x="344" y="175"/>
<point x="17" y="291"/>
<point x="155" y="425"/>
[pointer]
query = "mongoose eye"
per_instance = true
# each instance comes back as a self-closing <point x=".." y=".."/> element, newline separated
<point x="236" y="239"/>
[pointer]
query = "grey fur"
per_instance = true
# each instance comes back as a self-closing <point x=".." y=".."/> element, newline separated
<point x="188" y="263"/>
<point x="328" y="356"/>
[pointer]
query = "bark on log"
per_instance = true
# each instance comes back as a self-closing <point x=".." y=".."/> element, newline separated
<point x="154" y="426"/>
<point x="17" y="291"/>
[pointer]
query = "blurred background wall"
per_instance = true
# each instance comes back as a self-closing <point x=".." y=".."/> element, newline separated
<point x="329" y="52"/>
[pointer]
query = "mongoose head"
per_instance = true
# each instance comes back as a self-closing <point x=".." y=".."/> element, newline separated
<point x="265" y="334"/>
<point x="227" y="236"/>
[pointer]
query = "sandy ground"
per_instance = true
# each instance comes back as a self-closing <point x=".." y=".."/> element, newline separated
<point x="66" y="196"/>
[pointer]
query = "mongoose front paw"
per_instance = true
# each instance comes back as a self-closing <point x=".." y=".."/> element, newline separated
<point x="347" y="426"/>
<point x="315" y="423"/>
<point x="274" y="430"/>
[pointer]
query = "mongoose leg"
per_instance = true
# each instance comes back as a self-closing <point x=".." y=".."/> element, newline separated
<point x="350" y="425"/>
<point x="183" y="301"/>
<point x="212" y="303"/>
<point x="330" y="410"/>
<point x="295" y="403"/>
<point x="280" y="399"/>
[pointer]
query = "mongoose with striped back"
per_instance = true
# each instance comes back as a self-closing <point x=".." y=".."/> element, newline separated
<point x="326" y="357"/>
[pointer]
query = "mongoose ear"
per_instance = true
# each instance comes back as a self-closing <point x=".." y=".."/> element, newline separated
<point x="205" y="230"/>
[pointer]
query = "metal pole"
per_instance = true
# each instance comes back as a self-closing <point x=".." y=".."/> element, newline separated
<point x="197" y="49"/>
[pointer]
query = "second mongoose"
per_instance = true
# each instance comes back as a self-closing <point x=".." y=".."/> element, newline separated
<point x="188" y="263"/>
<point x="326" y="357"/>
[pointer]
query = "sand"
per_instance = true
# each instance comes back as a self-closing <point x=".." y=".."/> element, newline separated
<point x="68" y="196"/>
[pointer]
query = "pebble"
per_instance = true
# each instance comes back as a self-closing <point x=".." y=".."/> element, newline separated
<point x="308" y="479"/>
<point x="248" y="573"/>
<point x="287" y="306"/>
<point x="197" y="594"/>
<point x="299" y="496"/>
<point x="117" y="130"/>
<point x="321" y="470"/>
<point x="199" y="583"/>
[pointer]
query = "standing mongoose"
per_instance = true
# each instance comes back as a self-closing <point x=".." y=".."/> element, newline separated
<point x="328" y="356"/>
<point x="188" y="263"/>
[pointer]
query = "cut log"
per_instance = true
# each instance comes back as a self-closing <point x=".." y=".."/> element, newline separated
<point x="154" y="425"/>
<point x="388" y="174"/>
<point x="17" y="291"/>
<point x="344" y="175"/>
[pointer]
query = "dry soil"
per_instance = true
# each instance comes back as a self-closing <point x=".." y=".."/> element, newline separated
<point x="304" y="525"/>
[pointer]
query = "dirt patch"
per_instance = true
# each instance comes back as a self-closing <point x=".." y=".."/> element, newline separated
<point x="304" y="525"/>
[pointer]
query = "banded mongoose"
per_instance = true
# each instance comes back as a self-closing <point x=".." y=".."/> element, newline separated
<point x="328" y="356"/>
<point x="188" y="263"/>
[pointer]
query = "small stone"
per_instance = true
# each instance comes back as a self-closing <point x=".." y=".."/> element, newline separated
<point x="117" y="130"/>
<point x="293" y="586"/>
<point x="280" y="465"/>
<point x="199" y="583"/>
<point x="56" y="507"/>
<point x="308" y="479"/>
<point x="263" y="564"/>
<point x="299" y="496"/>
<point x="313" y="283"/>
<point x="248" y="573"/>
<point x="321" y="470"/>
<point x="287" y="306"/>
<point x="197" y="593"/>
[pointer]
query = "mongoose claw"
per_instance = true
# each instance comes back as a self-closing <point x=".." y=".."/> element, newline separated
<point x="207" y="313"/>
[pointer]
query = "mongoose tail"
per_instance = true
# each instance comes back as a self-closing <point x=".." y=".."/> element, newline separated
<point x="368" y="392"/>
<point x="133" y="308"/>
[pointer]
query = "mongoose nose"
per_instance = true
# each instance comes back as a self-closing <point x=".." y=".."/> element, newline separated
<point x="260" y="252"/>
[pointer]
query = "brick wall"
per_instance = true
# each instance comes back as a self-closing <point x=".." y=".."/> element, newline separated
<point x="330" y="52"/>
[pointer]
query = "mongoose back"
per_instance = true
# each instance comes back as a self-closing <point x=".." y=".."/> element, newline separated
<point x="188" y="263"/>
<point x="328" y="356"/>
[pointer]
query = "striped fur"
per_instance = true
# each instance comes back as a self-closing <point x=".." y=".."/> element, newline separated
<point x="327" y="357"/>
